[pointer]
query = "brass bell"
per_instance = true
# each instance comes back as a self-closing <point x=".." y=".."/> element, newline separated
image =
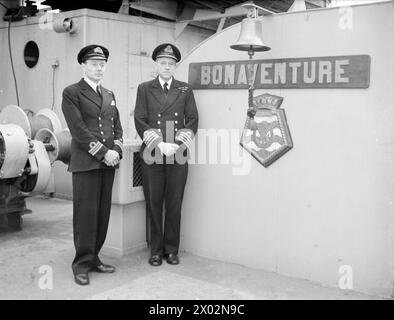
<point x="251" y="37"/>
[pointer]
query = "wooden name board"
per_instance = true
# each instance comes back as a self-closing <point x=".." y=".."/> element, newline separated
<point x="316" y="72"/>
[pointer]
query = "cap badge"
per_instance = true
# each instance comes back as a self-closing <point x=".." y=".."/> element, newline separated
<point x="168" y="49"/>
<point x="98" y="50"/>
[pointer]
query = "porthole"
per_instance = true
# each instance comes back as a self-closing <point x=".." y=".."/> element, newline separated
<point x="31" y="54"/>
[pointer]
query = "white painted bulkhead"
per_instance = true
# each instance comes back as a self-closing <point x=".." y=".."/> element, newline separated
<point x="326" y="204"/>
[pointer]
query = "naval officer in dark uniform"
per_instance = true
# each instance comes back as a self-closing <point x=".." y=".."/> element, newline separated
<point x="96" y="149"/>
<point x="166" y="119"/>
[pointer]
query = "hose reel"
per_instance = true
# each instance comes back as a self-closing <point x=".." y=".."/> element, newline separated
<point x="25" y="161"/>
<point x="44" y="118"/>
<point x="57" y="145"/>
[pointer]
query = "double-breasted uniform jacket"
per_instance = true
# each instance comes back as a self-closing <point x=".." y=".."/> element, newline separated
<point x="166" y="115"/>
<point x="94" y="125"/>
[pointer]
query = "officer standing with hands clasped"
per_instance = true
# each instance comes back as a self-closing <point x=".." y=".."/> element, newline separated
<point x="166" y="119"/>
<point x="96" y="149"/>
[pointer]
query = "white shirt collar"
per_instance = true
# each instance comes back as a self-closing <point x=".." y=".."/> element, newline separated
<point x="162" y="82"/>
<point x="91" y="83"/>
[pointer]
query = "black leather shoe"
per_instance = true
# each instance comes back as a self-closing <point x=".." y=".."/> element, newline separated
<point x="82" y="279"/>
<point x="172" y="258"/>
<point x="155" y="260"/>
<point x="104" y="268"/>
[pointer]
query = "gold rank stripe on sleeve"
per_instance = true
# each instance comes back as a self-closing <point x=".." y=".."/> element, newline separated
<point x="95" y="147"/>
<point x="151" y="141"/>
<point x="119" y="144"/>
<point x="150" y="136"/>
<point x="185" y="139"/>
<point x="185" y="136"/>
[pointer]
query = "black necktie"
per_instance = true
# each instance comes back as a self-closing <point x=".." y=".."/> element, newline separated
<point x="98" y="91"/>
<point x="165" y="87"/>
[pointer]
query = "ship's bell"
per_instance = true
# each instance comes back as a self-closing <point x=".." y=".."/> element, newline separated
<point x="251" y="37"/>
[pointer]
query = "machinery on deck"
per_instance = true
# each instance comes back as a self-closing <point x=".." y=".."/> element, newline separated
<point x="29" y="145"/>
